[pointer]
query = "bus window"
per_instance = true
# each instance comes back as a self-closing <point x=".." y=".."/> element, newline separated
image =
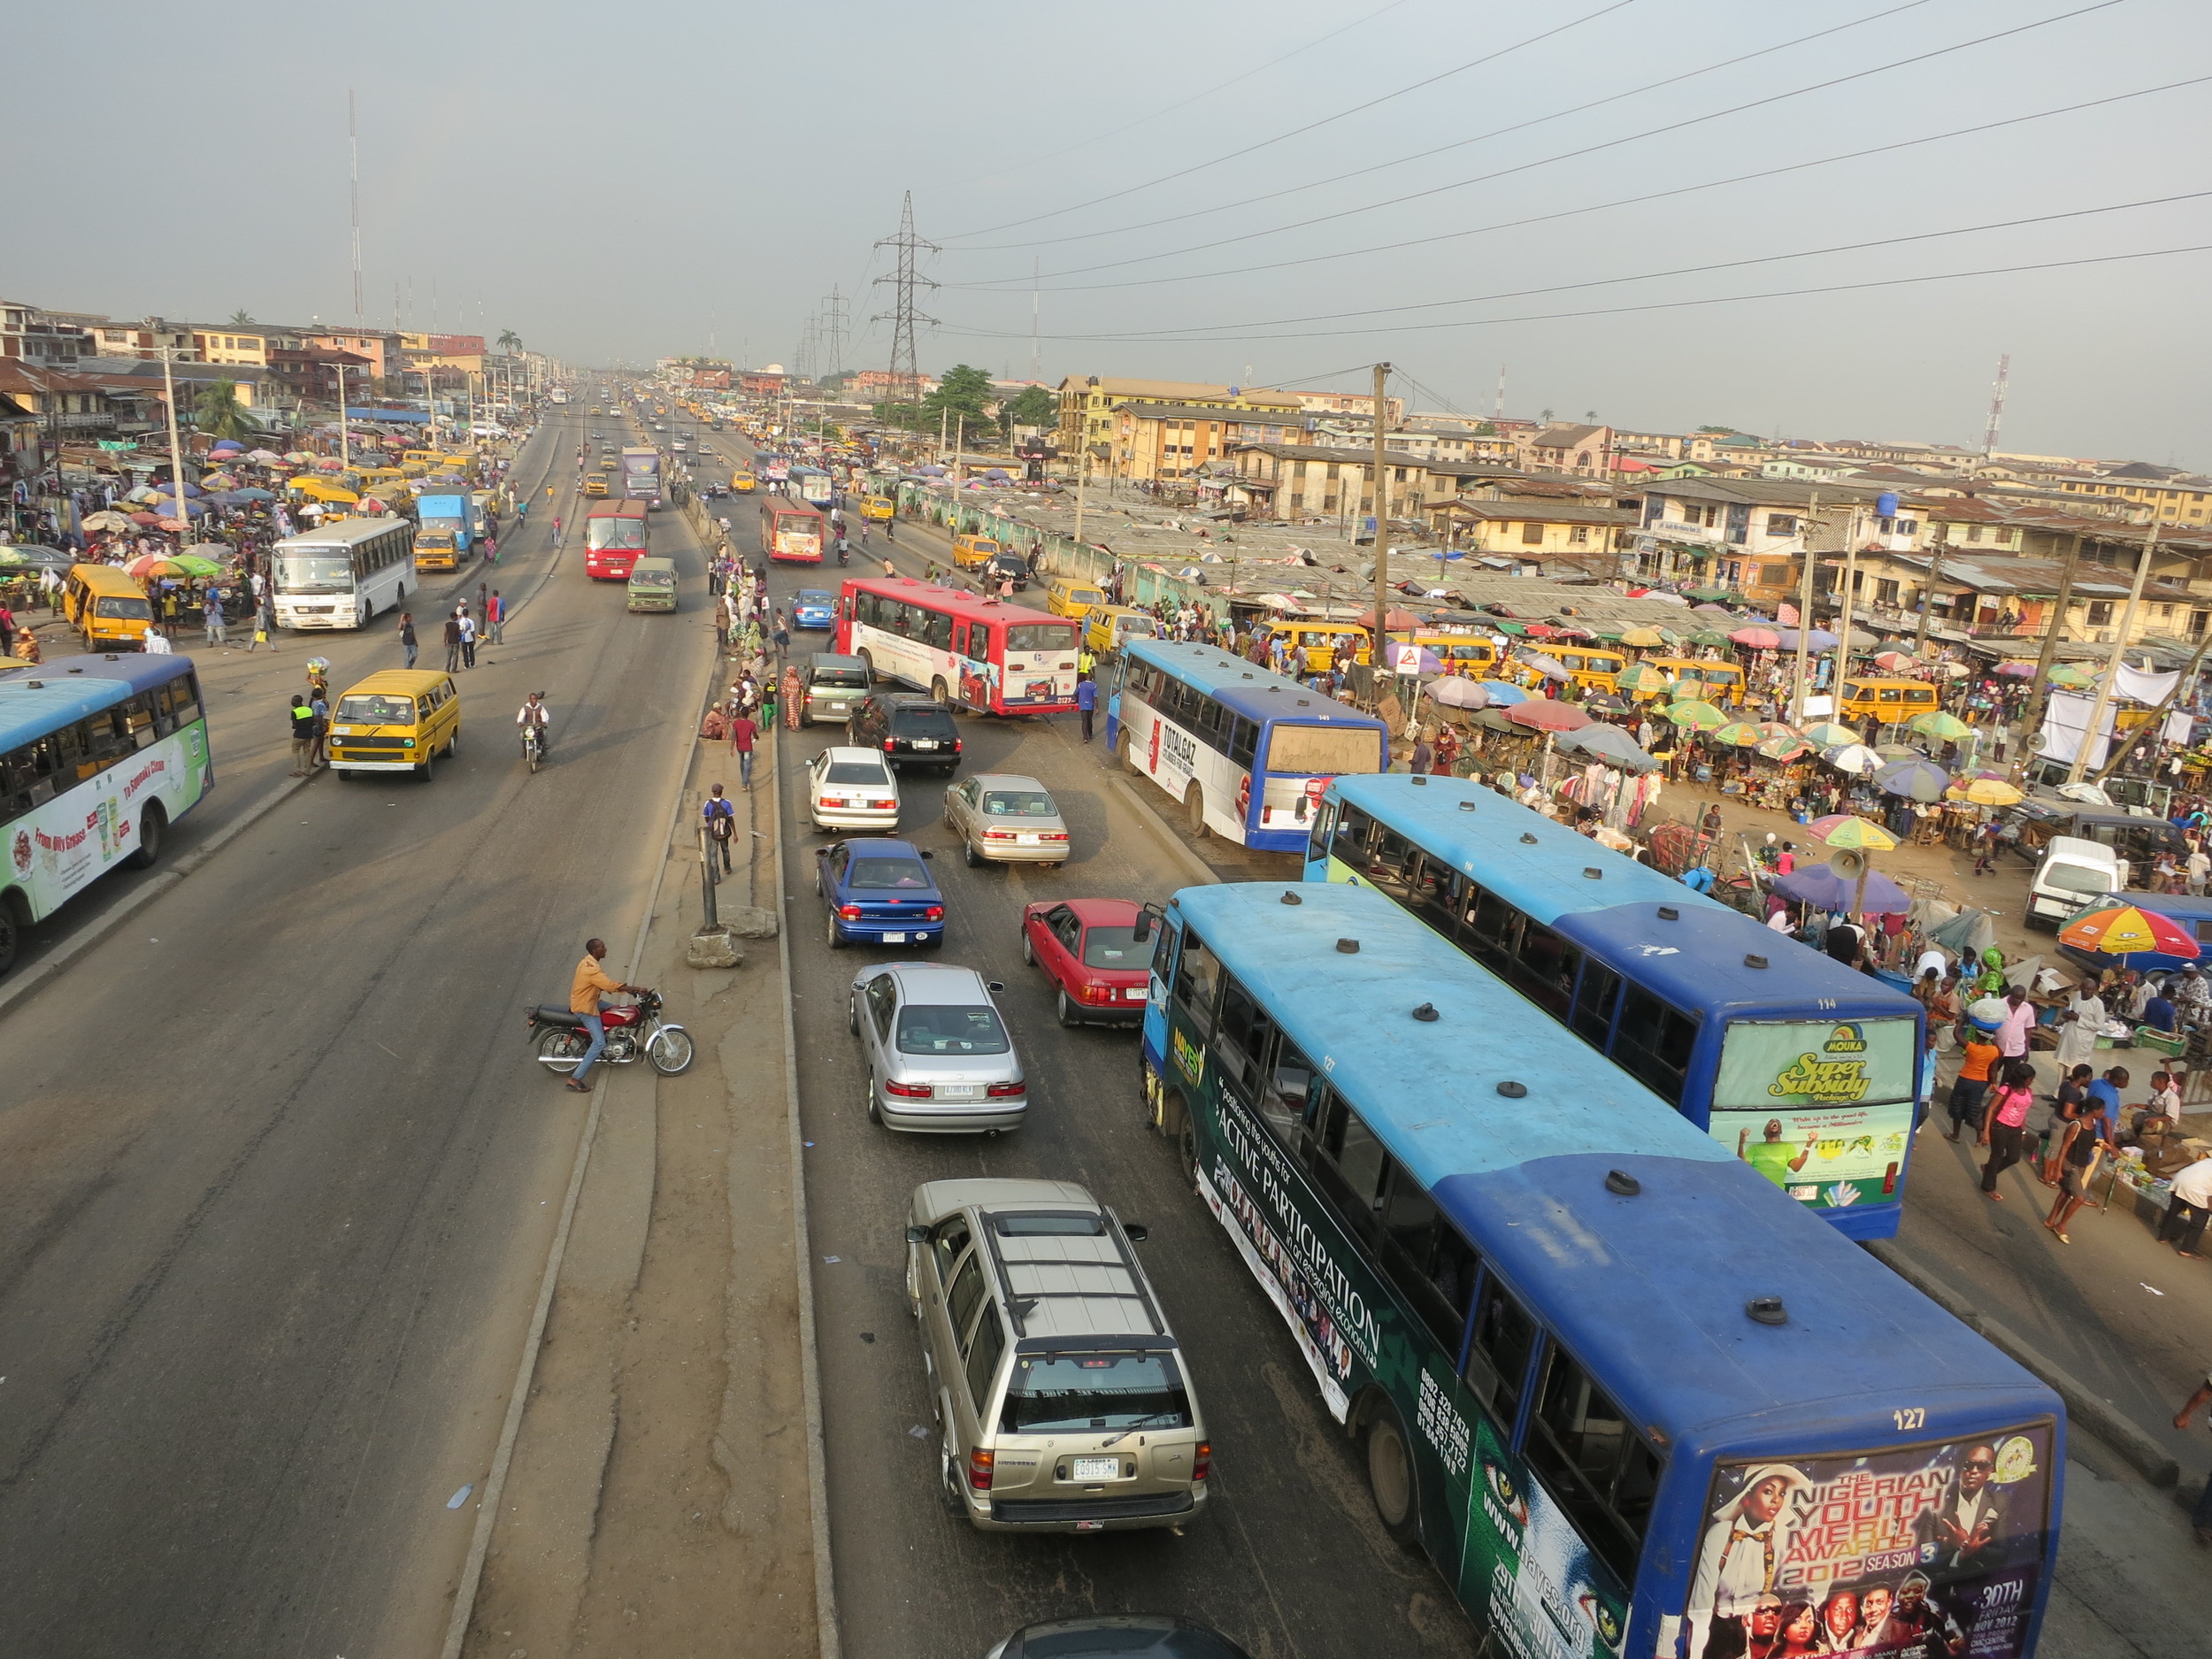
<point x="1244" y="740"/>
<point x="1596" y="1465"/>
<point x="1240" y="1037"/>
<point x="1349" y="1163"/>
<point x="1593" y="1016"/>
<point x="1440" y="895"/>
<point x="1197" y="978"/>
<point x="1350" y="845"/>
<point x="1544" y="968"/>
<point x="1498" y="1351"/>
<point x="1655" y="1043"/>
<point x="1432" y="1267"/>
<point x="1283" y="1097"/>
<point x="1390" y="866"/>
<point x="936" y="630"/>
<point x="1492" y="928"/>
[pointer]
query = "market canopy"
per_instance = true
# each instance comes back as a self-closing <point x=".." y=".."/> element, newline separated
<point x="390" y="416"/>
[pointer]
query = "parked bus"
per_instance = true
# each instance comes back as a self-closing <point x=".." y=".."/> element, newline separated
<point x="813" y="486"/>
<point x="1245" y="751"/>
<point x="791" y="532"/>
<point x="960" y="647"/>
<point x="1806" y="1070"/>
<point x="642" y="476"/>
<point x="98" y="756"/>
<point x="344" y="574"/>
<point x="1625" y="1395"/>
<point x="617" y="534"/>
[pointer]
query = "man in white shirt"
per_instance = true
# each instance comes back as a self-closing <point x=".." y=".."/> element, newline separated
<point x="2189" y="1209"/>
<point x="2196" y="871"/>
<point x="156" y="644"/>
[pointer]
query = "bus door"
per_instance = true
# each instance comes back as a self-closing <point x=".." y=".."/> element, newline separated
<point x="1167" y="937"/>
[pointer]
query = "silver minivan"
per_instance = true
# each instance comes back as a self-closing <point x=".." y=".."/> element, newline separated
<point x="1062" y="1401"/>
<point x="940" y="1059"/>
<point x="834" y="686"/>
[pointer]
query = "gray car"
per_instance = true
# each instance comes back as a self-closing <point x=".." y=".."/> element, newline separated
<point x="834" y="686"/>
<point x="940" y="1060"/>
<point x="1002" y="817"/>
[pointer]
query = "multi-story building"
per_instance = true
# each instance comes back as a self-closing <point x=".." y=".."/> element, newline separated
<point x="1173" y="441"/>
<point x="1293" y="482"/>
<point x="1088" y="404"/>
<point x="379" y="348"/>
<point x="150" y="339"/>
<point x="29" y="335"/>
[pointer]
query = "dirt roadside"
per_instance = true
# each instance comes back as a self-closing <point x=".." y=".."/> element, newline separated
<point x="659" y="1500"/>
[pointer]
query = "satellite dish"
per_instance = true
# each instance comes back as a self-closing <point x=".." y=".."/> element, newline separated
<point x="1848" y="863"/>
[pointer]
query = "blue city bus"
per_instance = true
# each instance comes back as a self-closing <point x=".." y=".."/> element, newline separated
<point x="1629" y="1398"/>
<point x="98" y="756"/>
<point x="1808" y="1072"/>
<point x="1247" y="751"/>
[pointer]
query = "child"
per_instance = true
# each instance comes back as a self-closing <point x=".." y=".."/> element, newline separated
<point x="1973" y="1081"/>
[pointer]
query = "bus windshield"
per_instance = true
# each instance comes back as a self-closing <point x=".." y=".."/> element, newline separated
<point x="1332" y="749"/>
<point x="377" y="709"/>
<point x="1040" y="636"/>
<point x="652" y="579"/>
<point x="124" y="609"/>
<point x="624" y="535"/>
<point x="314" y="574"/>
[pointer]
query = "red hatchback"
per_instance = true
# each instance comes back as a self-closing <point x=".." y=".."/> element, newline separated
<point x="1090" y="951"/>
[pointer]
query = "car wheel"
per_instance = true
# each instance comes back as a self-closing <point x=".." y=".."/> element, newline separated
<point x="835" y="943"/>
<point x="423" y="772"/>
<point x="852" y="1013"/>
<point x="1390" y="1480"/>
<point x="1029" y="950"/>
<point x="968" y="854"/>
<point x="1064" y="1010"/>
<point x="875" y="1109"/>
<point x="949" y="1481"/>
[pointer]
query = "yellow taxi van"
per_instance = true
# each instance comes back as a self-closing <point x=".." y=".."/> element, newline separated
<point x="107" y="607"/>
<point x="1107" y="628"/>
<point x="1886" y="701"/>
<point x="973" y="552"/>
<point x="1067" y="597"/>
<point x="400" y="719"/>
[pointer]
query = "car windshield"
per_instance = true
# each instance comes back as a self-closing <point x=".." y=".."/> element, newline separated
<point x="928" y="1029"/>
<point x="1018" y="804"/>
<point x="1040" y="636"/>
<point x="377" y="709"/>
<point x="856" y="772"/>
<point x="1115" y="947"/>
<point x="853" y="677"/>
<point x="124" y="609"/>
<point x="811" y="601"/>
<point x="652" y="579"/>
<point x="1068" y="1393"/>
<point x="887" y="872"/>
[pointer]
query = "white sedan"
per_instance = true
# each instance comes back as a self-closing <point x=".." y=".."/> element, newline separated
<point x="852" y="788"/>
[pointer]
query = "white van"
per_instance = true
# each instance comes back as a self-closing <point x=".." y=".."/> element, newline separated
<point x="2073" y="872"/>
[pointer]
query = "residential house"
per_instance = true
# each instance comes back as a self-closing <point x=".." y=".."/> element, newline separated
<point x="1088" y="404"/>
<point x="65" y="404"/>
<point x="1662" y="446"/>
<point x="150" y="339"/>
<point x="311" y="375"/>
<point x="1361" y="404"/>
<point x="1750" y="535"/>
<point x="30" y="336"/>
<point x="1174" y="441"/>
<point x="875" y="386"/>
<point x="2011" y="601"/>
<point x="245" y="344"/>
<point x="2165" y="493"/>
<point x="1293" y="482"/>
<point x="1455" y="438"/>
<point x="1809" y="464"/>
<point x="1531" y="527"/>
<point x="1586" y="451"/>
<point x="379" y="348"/>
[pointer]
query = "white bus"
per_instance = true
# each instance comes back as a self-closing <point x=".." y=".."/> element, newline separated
<point x="342" y="575"/>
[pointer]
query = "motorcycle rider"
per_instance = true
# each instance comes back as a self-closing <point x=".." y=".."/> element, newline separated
<point x="587" y="999"/>
<point x="534" y="712"/>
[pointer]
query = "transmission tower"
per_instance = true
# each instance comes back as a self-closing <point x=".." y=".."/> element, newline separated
<point x="835" y="326"/>
<point x="802" y="360"/>
<point x="1997" y="406"/>
<point x="906" y="375"/>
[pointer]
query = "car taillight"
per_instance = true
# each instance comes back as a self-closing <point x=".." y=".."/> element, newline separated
<point x="1096" y="994"/>
<point x="934" y="913"/>
<point x="1201" y="1464"/>
<point x="1052" y="835"/>
<point x="907" y="1091"/>
<point x="955" y="746"/>
<point x="883" y="806"/>
<point x="999" y="835"/>
<point x="848" y="913"/>
<point x="1006" y="1091"/>
<point x="979" y="1469"/>
<point x="828" y="800"/>
<point x="886" y="745"/>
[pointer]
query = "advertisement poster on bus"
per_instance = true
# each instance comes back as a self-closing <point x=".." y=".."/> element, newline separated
<point x="1526" y="1572"/>
<point x="1824" y="1109"/>
<point x="63" y="844"/>
<point x="1923" y="1553"/>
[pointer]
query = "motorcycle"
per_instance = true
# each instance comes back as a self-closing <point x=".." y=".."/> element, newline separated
<point x="533" y="745"/>
<point x="631" y="1032"/>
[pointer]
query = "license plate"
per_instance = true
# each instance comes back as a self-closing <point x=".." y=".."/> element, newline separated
<point x="894" y="939"/>
<point x="1026" y="839"/>
<point x="1134" y="993"/>
<point x="924" y="742"/>
<point x="1097" y="1468"/>
<point x="342" y="731"/>
<point x="964" y="1091"/>
<point x="1090" y="1526"/>
<point x="836" y="708"/>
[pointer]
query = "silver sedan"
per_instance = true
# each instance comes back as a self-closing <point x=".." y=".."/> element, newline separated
<point x="1003" y="818"/>
<point x="851" y="788"/>
<point x="940" y="1060"/>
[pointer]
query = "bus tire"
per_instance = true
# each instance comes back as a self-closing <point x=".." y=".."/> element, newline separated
<point x="15" y="923"/>
<point x="151" y="827"/>
<point x="1185" y="1142"/>
<point x="868" y="662"/>
<point x="1121" y="751"/>
<point x="938" y="691"/>
<point x="1195" y="804"/>
<point x="1390" y="1480"/>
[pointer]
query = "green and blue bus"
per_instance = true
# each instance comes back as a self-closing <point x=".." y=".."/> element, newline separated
<point x="1629" y="1398"/>
<point x="1808" y="1072"/>
<point x="98" y="756"/>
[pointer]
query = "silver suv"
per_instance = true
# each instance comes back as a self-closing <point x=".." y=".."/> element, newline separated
<point x="1061" y="1401"/>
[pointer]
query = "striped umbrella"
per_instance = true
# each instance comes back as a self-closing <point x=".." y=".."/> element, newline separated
<point x="1848" y="830"/>
<point x="1829" y="734"/>
<point x="1944" y="728"/>
<point x="1697" y="715"/>
<point x="1986" y="792"/>
<point x="1739" y="734"/>
<point x="2120" y="930"/>
<point x="1642" y="677"/>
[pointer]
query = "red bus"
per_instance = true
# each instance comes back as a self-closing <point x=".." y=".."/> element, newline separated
<point x="959" y="647"/>
<point x="792" y="532"/>
<point x="614" y="539"/>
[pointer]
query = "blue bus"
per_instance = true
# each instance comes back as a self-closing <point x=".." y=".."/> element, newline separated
<point x="1630" y="1399"/>
<point x="98" y="756"/>
<point x="1245" y="751"/>
<point x="1808" y="1072"/>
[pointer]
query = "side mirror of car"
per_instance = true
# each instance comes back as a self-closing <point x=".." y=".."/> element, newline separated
<point x="1137" y="1230"/>
<point x="918" y="1235"/>
<point x="927" y="854"/>
<point x="994" y="986"/>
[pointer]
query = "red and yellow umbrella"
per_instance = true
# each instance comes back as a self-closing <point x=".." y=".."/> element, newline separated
<point x="2120" y="930"/>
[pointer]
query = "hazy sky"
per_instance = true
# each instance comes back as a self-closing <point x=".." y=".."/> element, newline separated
<point x="620" y="181"/>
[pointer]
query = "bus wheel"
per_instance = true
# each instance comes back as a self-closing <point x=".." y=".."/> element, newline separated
<point x="150" y="833"/>
<point x="15" y="922"/>
<point x="1390" y="1478"/>
<point x="1196" y="802"/>
<point x="1185" y="1142"/>
<point x="868" y="662"/>
<point x="1121" y="751"/>
<point x="938" y="691"/>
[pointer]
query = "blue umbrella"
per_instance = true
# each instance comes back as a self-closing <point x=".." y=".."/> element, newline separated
<point x="1914" y="780"/>
<point x="1502" y="693"/>
<point x="1820" y="887"/>
<point x="1816" y="640"/>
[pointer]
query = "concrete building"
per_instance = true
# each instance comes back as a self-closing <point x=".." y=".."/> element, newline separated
<point x="31" y="335"/>
<point x="1088" y="404"/>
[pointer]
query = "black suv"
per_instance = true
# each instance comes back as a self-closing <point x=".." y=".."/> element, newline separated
<point x="1000" y="566"/>
<point x="910" y="730"/>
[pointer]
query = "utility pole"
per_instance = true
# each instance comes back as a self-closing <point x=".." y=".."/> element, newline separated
<point x="176" y="449"/>
<point x="1928" y="592"/>
<point x="1082" y="485"/>
<point x="353" y="147"/>
<point x="2039" y="694"/>
<point x="906" y="376"/>
<point x="1804" y="609"/>
<point x="2112" y="662"/>
<point x="1378" y="654"/>
<point x="345" y="427"/>
<point x="832" y="333"/>
<point x="1843" y="625"/>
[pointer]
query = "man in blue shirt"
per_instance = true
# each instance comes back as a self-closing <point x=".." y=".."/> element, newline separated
<point x="1087" y="703"/>
<point x="2158" y="1012"/>
<point x="2104" y="1101"/>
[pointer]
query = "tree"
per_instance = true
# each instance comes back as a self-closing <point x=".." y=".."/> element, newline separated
<point x="963" y="396"/>
<point x="509" y="341"/>
<point x="242" y="315"/>
<point x="1034" y="407"/>
<point x="215" y="412"/>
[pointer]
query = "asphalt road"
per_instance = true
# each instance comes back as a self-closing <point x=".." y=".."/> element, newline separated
<point x="1289" y="1560"/>
<point x="277" y="1174"/>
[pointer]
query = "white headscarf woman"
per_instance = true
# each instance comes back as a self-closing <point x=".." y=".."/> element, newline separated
<point x="1746" y="1539"/>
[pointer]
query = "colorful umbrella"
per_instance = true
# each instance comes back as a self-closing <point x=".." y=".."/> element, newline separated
<point x="1784" y="747"/>
<point x="1739" y="734"/>
<point x="1820" y="887"/>
<point x="1914" y="780"/>
<point x="151" y="564"/>
<point x="1642" y="677"/>
<point x="192" y="564"/>
<point x="1853" y="758"/>
<point x="2067" y="674"/>
<point x="1944" y="728"/>
<point x="2120" y="930"/>
<point x="1543" y="715"/>
<point x="1708" y="637"/>
<point x="1829" y="734"/>
<point x="1896" y="662"/>
<point x="1986" y="792"/>
<point x="1503" y="693"/>
<point x="1607" y="743"/>
<point x="1453" y="692"/>
<point x="1643" y="638"/>
<point x="1551" y="668"/>
<point x="1848" y="831"/>
<point x="1757" y="639"/>
<point x="1698" y="715"/>
<point x="1816" y="640"/>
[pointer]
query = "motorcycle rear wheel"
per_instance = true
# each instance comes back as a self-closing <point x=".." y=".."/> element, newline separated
<point x="669" y="1051"/>
<point x="561" y="1047"/>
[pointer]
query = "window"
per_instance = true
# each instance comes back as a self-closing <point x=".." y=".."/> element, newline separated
<point x="1531" y="535"/>
<point x="966" y="1292"/>
<point x="945" y="1246"/>
<point x="1491" y="929"/>
<point x="1578" y="534"/>
<point x="1591" y="1018"/>
<point x="983" y="1357"/>
<point x="1973" y="533"/>
<point x="1390" y="866"/>
<point x="1781" y="524"/>
<point x="1322" y="751"/>
<point x="1592" y="1459"/>
<point x="1197" y="981"/>
<point x="1348" y="1163"/>
<point x="1498" y="1350"/>
<point x="1885" y="593"/>
<point x="1654" y="1041"/>
<point x="1286" y="1092"/>
<point x="1244" y="737"/>
<point x="1432" y="1267"/>
<point x="1544" y="968"/>
<point x="1241" y="1037"/>
<point x="2100" y="613"/>
<point x="1349" y="844"/>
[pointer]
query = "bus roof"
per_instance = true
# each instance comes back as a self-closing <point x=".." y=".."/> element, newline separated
<point x="39" y="698"/>
<point x="616" y="507"/>
<point x="345" y="533"/>
<point x="1651" y="1288"/>
<point x="1695" y="960"/>
<point x="1256" y="692"/>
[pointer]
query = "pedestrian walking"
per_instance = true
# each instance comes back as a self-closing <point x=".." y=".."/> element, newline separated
<point x="407" y="635"/>
<point x="742" y="731"/>
<point x="264" y="626"/>
<point x="1972" y="1082"/>
<point x="496" y="618"/>
<point x="2012" y="1031"/>
<point x="2076" y="1160"/>
<point x="2200" y="1518"/>
<point x="491" y="550"/>
<point x="303" y="726"/>
<point x="319" y="704"/>
<point x="211" y="613"/>
<point x="782" y="635"/>
<point x="556" y="526"/>
<point x="468" y="638"/>
<point x="2188" y="1210"/>
<point x="453" y="644"/>
<point x="721" y="818"/>
<point x="2005" y="1122"/>
<point x="1085" y="702"/>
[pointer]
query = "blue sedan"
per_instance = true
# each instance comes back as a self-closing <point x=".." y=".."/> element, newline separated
<point x="879" y="892"/>
<point x="814" y="609"/>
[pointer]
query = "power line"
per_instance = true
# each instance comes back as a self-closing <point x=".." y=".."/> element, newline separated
<point x="1625" y="200"/>
<point x="1212" y="210"/>
<point x="1663" y="306"/>
<point x="1184" y="173"/>
<point x="1592" y="149"/>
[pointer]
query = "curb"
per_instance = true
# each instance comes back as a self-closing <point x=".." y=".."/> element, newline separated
<point x="2091" y="1411"/>
<point x="1199" y="870"/>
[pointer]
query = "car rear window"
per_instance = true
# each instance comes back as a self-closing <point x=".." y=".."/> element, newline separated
<point x="1061" y="1226"/>
<point x="855" y="677"/>
<point x="930" y="1029"/>
<point x="1068" y="1393"/>
<point x="921" y="722"/>
<point x="887" y="872"/>
<point x="1115" y="947"/>
<point x="854" y="772"/>
<point x="1018" y="804"/>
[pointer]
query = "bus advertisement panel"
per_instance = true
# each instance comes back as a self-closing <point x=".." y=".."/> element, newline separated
<point x="642" y="476"/>
<point x="958" y="646"/>
<point x="615" y="537"/>
<point x="792" y="532"/>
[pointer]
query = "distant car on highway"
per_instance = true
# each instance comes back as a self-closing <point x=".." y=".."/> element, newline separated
<point x="851" y="788"/>
<point x="811" y="608"/>
<point x="1002" y="817"/>
<point x="1088" y="948"/>
<point x="880" y="893"/>
<point x="940" y="1060"/>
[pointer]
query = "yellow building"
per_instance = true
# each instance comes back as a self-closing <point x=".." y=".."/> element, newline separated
<point x="1087" y="402"/>
<point x="1530" y="526"/>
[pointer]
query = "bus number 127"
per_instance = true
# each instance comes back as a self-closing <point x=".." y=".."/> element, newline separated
<point x="1911" y="1417"/>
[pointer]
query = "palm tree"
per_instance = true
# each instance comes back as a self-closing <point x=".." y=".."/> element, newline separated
<point x="509" y="341"/>
<point x="242" y="315"/>
<point x="217" y="413"/>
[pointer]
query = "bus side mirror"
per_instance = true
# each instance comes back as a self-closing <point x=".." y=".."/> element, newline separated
<point x="1144" y="926"/>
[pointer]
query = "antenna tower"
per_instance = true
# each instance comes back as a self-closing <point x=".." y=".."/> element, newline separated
<point x="1497" y="409"/>
<point x="906" y="375"/>
<point x="1997" y="405"/>
<point x="353" y="147"/>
